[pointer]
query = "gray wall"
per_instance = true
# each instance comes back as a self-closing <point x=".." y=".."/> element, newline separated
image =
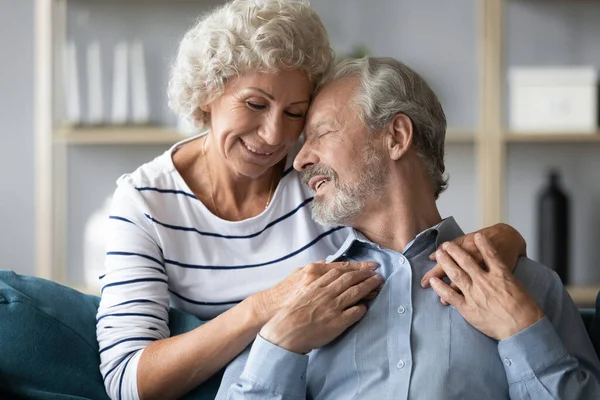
<point x="16" y="136"/>
<point x="556" y="33"/>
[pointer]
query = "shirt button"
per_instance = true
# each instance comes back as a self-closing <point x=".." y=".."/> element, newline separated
<point x="400" y="364"/>
<point x="507" y="362"/>
<point x="401" y="310"/>
<point x="402" y="259"/>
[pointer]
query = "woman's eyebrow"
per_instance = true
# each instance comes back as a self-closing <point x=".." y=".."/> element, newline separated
<point x="270" y="96"/>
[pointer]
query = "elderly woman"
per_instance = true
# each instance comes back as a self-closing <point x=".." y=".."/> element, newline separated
<point x="219" y="225"/>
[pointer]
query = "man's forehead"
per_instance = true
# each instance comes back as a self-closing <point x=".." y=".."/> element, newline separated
<point x="328" y="104"/>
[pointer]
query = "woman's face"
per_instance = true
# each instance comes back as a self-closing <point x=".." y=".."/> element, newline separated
<point x="258" y="118"/>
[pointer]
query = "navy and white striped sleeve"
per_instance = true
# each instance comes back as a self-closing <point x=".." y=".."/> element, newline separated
<point x="134" y="302"/>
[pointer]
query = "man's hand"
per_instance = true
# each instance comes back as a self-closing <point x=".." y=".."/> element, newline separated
<point x="267" y="302"/>
<point x="321" y="311"/>
<point x="492" y="301"/>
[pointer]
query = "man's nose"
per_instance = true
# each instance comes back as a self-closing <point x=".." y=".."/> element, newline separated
<point x="306" y="157"/>
<point x="272" y="130"/>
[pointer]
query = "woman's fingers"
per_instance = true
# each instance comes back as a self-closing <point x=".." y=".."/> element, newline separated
<point x="490" y="254"/>
<point x="338" y="280"/>
<point x="453" y="271"/>
<point x="462" y="258"/>
<point x="436" y="272"/>
<point x="367" y="265"/>
<point x="359" y="291"/>
<point x="448" y="296"/>
<point x="353" y="314"/>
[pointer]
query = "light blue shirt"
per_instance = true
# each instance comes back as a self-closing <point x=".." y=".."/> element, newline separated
<point x="410" y="346"/>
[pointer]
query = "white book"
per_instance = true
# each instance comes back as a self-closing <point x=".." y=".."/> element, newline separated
<point x="71" y="82"/>
<point x="120" y="85"/>
<point x="94" y="75"/>
<point x="139" y="89"/>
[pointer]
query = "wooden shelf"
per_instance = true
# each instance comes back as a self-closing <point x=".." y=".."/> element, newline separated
<point x="584" y="295"/>
<point x="559" y="137"/>
<point x="117" y="135"/>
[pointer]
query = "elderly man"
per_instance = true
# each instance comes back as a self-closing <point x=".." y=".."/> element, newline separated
<point x="374" y="156"/>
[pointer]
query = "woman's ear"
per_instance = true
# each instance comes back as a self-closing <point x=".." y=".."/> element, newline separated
<point x="399" y="136"/>
<point x="205" y="107"/>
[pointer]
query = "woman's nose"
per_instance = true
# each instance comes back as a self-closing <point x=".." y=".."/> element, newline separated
<point x="272" y="130"/>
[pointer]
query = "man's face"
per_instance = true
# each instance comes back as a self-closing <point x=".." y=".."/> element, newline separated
<point x="340" y="161"/>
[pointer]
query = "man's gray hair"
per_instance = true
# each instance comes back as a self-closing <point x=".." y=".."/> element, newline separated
<point x="388" y="87"/>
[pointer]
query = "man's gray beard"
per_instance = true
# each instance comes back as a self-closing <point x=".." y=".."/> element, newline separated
<point x="348" y="200"/>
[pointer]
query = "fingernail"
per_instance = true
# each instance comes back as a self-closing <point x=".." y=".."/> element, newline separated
<point x="372" y="265"/>
<point x="478" y="236"/>
<point x="424" y="283"/>
<point x="379" y="277"/>
<point x="445" y="246"/>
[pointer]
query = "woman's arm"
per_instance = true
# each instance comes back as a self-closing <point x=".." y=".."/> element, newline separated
<point x="171" y="367"/>
<point x="138" y="357"/>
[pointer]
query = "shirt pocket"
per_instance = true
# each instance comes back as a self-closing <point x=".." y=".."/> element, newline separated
<point x="332" y="371"/>
<point x="474" y="356"/>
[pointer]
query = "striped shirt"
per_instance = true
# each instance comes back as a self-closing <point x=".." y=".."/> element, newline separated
<point x="165" y="248"/>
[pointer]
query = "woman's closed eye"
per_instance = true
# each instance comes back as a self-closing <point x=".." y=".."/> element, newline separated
<point x="295" y="115"/>
<point x="255" y="106"/>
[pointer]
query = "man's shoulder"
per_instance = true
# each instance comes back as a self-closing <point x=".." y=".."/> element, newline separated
<point x="540" y="281"/>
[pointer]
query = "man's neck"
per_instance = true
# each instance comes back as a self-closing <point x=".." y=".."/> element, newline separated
<point x="405" y="209"/>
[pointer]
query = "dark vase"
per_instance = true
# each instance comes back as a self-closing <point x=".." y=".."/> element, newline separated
<point x="553" y="227"/>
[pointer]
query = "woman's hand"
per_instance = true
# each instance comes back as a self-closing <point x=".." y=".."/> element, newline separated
<point x="319" y="312"/>
<point x="506" y="239"/>
<point x="268" y="302"/>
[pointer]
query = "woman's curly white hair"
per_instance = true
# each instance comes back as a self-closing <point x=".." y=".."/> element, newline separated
<point x="243" y="35"/>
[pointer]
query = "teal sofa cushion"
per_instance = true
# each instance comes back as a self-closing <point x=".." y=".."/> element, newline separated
<point x="48" y="347"/>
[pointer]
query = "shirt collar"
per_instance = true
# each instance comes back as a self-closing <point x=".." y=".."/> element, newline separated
<point x="445" y="231"/>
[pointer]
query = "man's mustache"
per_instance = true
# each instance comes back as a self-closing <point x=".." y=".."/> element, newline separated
<point x="317" y="170"/>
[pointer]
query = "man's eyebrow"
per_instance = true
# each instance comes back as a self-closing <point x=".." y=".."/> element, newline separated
<point x="333" y="122"/>
<point x="270" y="96"/>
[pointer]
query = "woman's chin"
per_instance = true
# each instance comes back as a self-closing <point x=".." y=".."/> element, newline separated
<point x="253" y="169"/>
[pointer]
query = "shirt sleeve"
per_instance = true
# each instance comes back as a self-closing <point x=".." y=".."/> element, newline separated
<point x="134" y="304"/>
<point x="265" y="371"/>
<point x="554" y="358"/>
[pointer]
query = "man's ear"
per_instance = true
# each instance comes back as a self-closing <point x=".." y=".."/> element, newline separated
<point x="399" y="136"/>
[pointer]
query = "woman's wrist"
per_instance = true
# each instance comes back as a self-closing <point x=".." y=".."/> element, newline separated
<point x="257" y="310"/>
